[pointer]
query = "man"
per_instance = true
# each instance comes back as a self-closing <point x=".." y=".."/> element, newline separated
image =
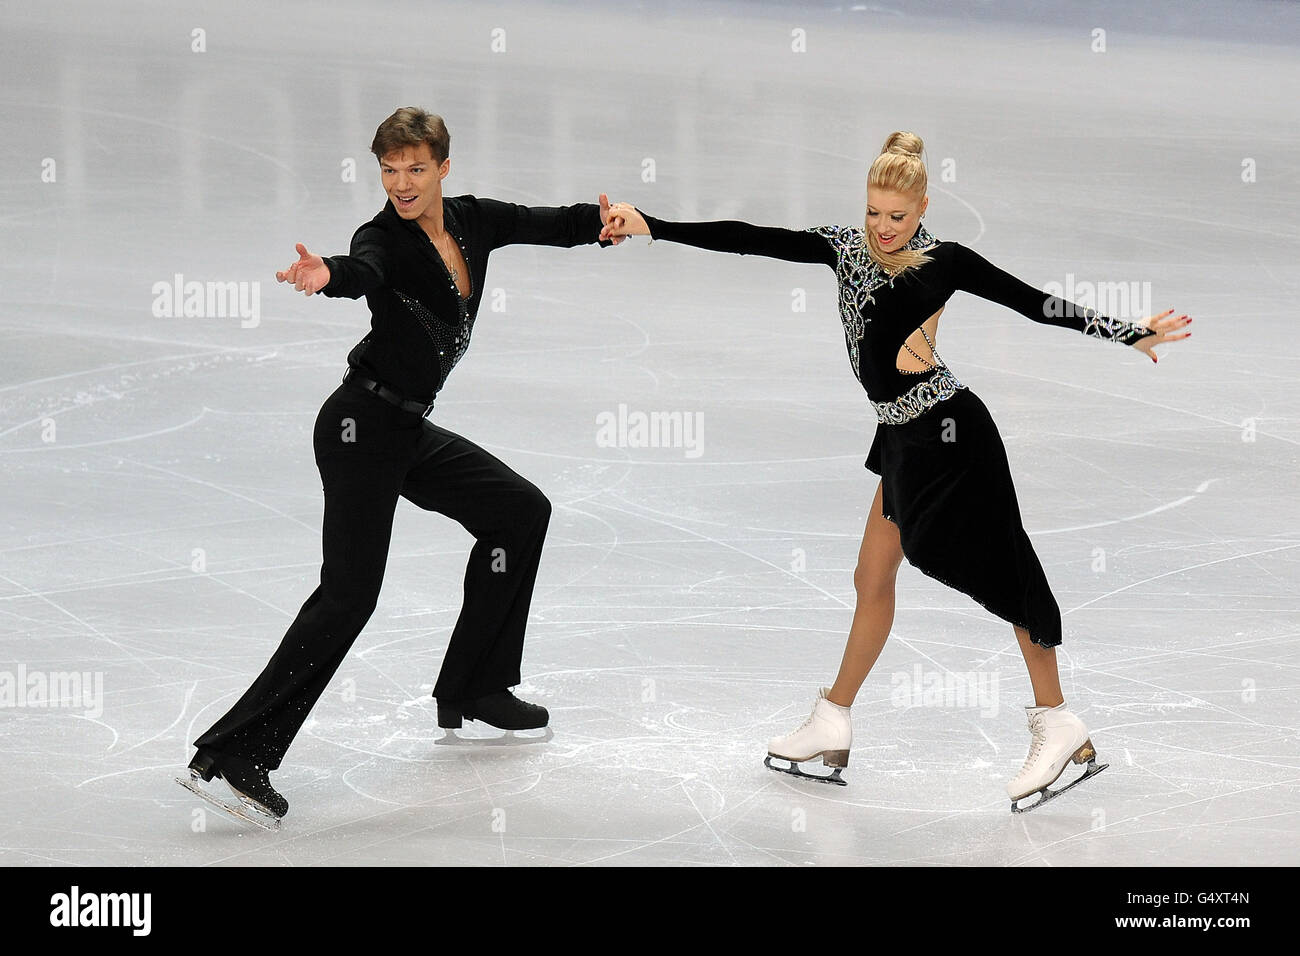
<point x="421" y="265"/>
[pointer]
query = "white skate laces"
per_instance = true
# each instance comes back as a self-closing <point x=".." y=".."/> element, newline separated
<point x="1057" y="738"/>
<point x="1038" y="737"/>
<point x="804" y="726"/>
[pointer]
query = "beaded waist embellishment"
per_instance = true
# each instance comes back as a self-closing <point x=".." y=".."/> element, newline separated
<point x="918" y="399"/>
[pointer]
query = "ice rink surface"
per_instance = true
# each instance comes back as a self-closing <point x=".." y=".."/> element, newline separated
<point x="161" y="511"/>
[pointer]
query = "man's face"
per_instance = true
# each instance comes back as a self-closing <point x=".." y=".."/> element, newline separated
<point x="413" y="180"/>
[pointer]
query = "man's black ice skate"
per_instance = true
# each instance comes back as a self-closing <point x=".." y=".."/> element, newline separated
<point x="502" y="710"/>
<point x="258" y="802"/>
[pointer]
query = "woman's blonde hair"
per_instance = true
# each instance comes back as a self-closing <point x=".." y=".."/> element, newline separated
<point x="898" y="169"/>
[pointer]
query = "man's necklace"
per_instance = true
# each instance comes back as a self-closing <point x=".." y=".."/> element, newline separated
<point x="448" y="264"/>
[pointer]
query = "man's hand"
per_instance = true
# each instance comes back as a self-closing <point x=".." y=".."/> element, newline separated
<point x="621" y="220"/>
<point x="609" y="220"/>
<point x="309" y="274"/>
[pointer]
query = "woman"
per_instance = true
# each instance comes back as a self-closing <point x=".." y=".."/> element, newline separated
<point x="945" y="498"/>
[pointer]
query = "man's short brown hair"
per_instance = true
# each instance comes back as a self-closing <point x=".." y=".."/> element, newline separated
<point x="411" y="126"/>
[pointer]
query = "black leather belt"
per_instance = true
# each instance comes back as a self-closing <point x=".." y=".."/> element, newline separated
<point x="351" y="377"/>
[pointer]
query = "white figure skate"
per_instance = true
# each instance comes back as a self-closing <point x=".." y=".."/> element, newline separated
<point x="827" y="733"/>
<point x="1057" y="738"/>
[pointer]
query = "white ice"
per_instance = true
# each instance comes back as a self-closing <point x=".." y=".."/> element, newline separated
<point x="160" y="521"/>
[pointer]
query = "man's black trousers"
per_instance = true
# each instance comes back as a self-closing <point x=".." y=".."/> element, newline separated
<point x="369" y="453"/>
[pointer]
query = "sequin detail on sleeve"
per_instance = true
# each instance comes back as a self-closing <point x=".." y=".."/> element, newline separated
<point x="1116" y="330"/>
<point x="859" y="276"/>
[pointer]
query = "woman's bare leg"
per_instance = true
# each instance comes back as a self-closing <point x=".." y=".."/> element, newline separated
<point x="1043" y="674"/>
<point x="873" y="579"/>
<point x="879" y="559"/>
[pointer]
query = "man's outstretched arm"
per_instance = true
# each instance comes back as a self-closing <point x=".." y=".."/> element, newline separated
<point x="362" y="270"/>
<point x="564" y="226"/>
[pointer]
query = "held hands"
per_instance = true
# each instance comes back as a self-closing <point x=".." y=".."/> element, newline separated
<point x="621" y="220"/>
<point x="1164" y="328"/>
<point x="309" y="274"/>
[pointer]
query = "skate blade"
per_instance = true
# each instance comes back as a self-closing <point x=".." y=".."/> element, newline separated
<point x="1047" y="794"/>
<point x="246" y="810"/>
<point x="511" y="738"/>
<point x="794" y="771"/>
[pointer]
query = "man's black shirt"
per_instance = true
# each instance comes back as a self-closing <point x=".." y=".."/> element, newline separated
<point x="419" y="323"/>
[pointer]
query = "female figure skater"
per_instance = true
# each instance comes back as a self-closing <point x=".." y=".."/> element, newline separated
<point x="421" y="264"/>
<point x="945" y="498"/>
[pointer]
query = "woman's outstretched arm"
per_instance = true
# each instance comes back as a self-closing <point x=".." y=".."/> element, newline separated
<point x="729" y="235"/>
<point x="977" y="275"/>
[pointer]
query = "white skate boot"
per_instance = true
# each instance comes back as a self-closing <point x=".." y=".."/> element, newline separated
<point x="827" y="733"/>
<point x="1057" y="737"/>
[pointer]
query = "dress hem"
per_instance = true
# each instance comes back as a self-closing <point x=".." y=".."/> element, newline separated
<point x="1002" y="617"/>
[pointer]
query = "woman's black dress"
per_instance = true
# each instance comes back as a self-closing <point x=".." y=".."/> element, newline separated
<point x="945" y="480"/>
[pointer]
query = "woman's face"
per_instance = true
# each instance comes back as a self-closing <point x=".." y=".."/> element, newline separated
<point x="413" y="180"/>
<point x="893" y="218"/>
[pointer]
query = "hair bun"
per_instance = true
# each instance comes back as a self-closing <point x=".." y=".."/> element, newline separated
<point x="903" y="143"/>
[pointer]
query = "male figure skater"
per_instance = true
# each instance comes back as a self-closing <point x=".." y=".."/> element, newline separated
<point x="421" y="264"/>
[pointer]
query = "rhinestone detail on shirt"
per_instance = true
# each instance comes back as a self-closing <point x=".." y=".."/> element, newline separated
<point x="860" y="276"/>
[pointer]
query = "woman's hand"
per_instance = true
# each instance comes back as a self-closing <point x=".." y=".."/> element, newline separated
<point x="1164" y="328"/>
<point x="309" y="274"/>
<point x="621" y="220"/>
<point x="605" y="219"/>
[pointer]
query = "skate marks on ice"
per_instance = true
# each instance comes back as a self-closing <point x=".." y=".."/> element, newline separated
<point x="615" y="784"/>
<point x="636" y="767"/>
